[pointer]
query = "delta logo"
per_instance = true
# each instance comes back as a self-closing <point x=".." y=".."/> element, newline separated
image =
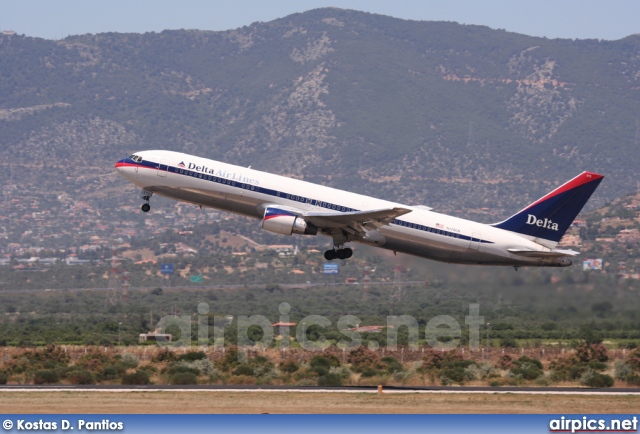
<point x="543" y="223"/>
<point x="181" y="164"/>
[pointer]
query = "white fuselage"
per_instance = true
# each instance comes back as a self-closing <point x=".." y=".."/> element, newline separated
<point x="248" y="192"/>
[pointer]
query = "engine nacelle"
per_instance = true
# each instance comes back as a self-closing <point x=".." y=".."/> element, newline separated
<point x="284" y="222"/>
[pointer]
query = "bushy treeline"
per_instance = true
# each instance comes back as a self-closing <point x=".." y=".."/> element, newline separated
<point x="589" y="365"/>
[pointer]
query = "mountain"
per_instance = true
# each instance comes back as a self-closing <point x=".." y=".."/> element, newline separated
<point x="457" y="117"/>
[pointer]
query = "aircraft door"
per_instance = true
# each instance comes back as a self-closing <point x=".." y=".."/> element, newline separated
<point x="163" y="168"/>
<point x="475" y="241"/>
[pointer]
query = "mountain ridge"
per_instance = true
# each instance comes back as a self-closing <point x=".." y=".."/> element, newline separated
<point x="393" y="108"/>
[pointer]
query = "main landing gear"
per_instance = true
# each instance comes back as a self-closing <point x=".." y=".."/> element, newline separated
<point x="338" y="253"/>
<point x="146" y="195"/>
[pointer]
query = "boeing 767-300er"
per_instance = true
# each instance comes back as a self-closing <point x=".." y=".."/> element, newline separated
<point x="287" y="206"/>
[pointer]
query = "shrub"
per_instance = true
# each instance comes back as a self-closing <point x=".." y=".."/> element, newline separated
<point x="46" y="377"/>
<point x="393" y="365"/>
<point x="137" y="378"/>
<point x="588" y="352"/>
<point x="506" y="362"/>
<point x="63" y="371"/>
<point x="527" y="371"/>
<point x="326" y="362"/>
<point x="368" y="373"/>
<point x="487" y="370"/>
<point x="205" y="366"/>
<point x="633" y="380"/>
<point x="96" y="361"/>
<point x="633" y="359"/>
<point x="178" y="368"/>
<point x="184" y="378"/>
<point x="306" y="382"/>
<point x="192" y="356"/>
<point x="472" y="372"/>
<point x="216" y="376"/>
<point x="165" y="356"/>
<point x="241" y="379"/>
<point x="243" y="369"/>
<point x="120" y="367"/>
<point x="509" y="342"/>
<point x="452" y="375"/>
<point x="526" y="359"/>
<point x="290" y="366"/>
<point x="597" y="366"/>
<point x="330" y="380"/>
<point x="130" y="360"/>
<point x="262" y="367"/>
<point x="543" y="381"/>
<point x="567" y="368"/>
<point x="109" y="373"/>
<point x="596" y="379"/>
<point x="230" y="359"/>
<point x="47" y="358"/>
<point x="3" y="378"/>
<point x="80" y="377"/>
<point x="527" y="368"/>
<point x="432" y="360"/>
<point x="363" y="358"/>
<point x="319" y="370"/>
<point x="622" y="370"/>
<point x="342" y="371"/>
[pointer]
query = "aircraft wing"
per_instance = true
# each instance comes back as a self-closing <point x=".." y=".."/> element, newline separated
<point x="542" y="254"/>
<point x="356" y="220"/>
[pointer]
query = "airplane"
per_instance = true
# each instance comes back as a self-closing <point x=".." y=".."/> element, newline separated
<point x="289" y="206"/>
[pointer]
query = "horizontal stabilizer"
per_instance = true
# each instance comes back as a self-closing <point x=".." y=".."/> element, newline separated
<point x="543" y="254"/>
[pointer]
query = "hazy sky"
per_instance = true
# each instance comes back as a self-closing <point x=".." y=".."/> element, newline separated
<point x="582" y="19"/>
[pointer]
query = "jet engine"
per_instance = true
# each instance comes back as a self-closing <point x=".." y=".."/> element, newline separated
<point x="284" y="222"/>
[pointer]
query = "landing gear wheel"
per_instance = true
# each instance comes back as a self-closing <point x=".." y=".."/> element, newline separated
<point x="330" y="255"/>
<point x="338" y="254"/>
<point x="146" y="196"/>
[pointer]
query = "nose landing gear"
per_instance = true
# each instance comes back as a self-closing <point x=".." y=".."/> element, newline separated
<point x="146" y="195"/>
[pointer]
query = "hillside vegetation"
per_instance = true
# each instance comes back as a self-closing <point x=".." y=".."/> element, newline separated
<point x="453" y="116"/>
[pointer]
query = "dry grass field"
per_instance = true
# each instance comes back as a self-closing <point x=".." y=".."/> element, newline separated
<point x="179" y="402"/>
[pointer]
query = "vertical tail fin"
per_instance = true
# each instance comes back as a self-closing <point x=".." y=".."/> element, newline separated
<point x="548" y="218"/>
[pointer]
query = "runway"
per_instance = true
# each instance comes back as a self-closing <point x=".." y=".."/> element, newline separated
<point x="313" y="389"/>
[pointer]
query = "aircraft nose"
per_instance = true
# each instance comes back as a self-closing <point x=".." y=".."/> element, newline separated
<point x="119" y="165"/>
<point x="123" y="167"/>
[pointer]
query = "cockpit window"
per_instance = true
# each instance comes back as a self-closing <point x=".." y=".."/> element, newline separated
<point x="135" y="158"/>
